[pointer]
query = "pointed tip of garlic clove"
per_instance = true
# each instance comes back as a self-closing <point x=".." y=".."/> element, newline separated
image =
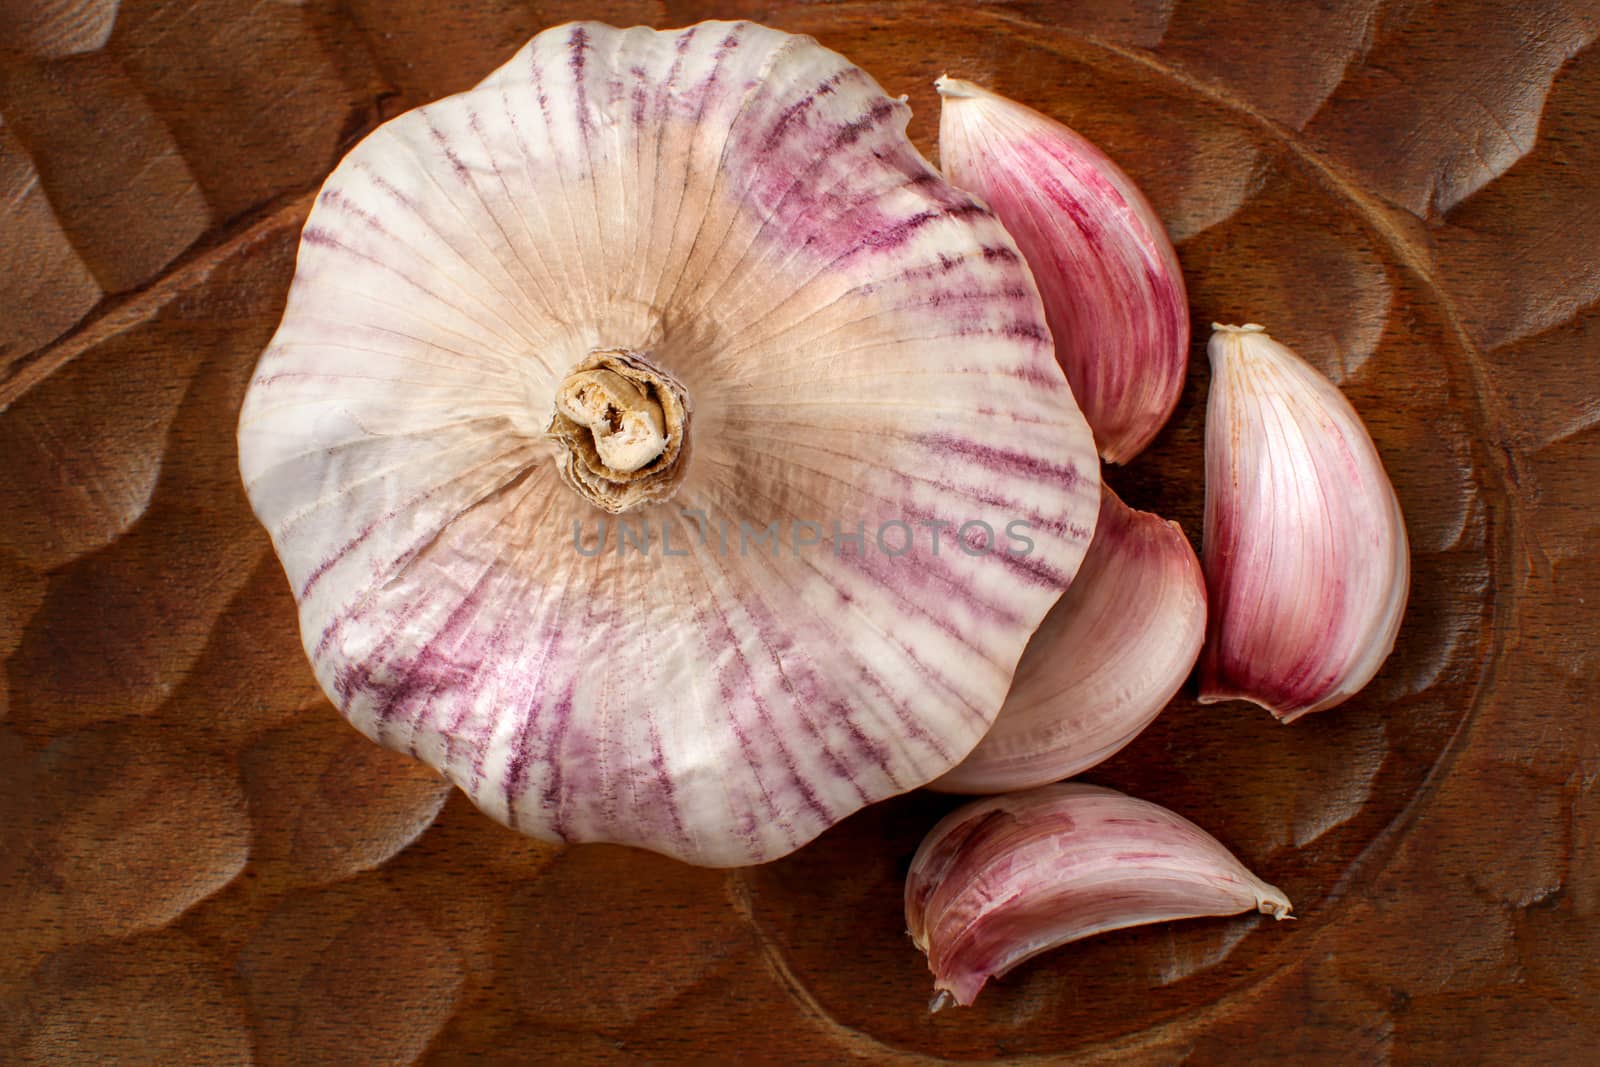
<point x="1107" y="659"/>
<point x="1001" y="880"/>
<point x="1113" y="289"/>
<point x="1305" y="550"/>
<point x="1275" y="904"/>
<point x="956" y="89"/>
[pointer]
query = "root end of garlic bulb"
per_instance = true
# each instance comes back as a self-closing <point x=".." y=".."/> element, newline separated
<point x="622" y="426"/>
<point x="627" y="424"/>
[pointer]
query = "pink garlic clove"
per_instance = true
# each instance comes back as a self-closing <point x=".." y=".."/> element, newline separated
<point x="1306" y="556"/>
<point x="1110" y="655"/>
<point x="1002" y="880"/>
<point x="1113" y="291"/>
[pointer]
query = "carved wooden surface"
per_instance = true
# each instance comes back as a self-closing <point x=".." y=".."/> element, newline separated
<point x="200" y="863"/>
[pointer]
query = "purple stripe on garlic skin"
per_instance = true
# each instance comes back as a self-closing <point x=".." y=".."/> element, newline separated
<point x="1001" y="880"/>
<point x="1306" y="556"/>
<point x="1107" y="659"/>
<point x="1112" y="287"/>
<point x="737" y="211"/>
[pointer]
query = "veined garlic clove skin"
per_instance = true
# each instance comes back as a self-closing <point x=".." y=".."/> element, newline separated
<point x="1112" y="287"/>
<point x="1305" y="552"/>
<point x="696" y="284"/>
<point x="1004" y="879"/>
<point x="1107" y="659"/>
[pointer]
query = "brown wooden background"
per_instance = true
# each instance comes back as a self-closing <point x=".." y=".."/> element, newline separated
<point x="200" y="863"/>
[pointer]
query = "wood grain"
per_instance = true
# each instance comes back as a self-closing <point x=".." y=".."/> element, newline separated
<point x="200" y="863"/>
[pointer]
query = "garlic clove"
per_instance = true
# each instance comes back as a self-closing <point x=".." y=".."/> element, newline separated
<point x="1305" y="550"/>
<point x="1106" y="660"/>
<point x="1113" y="291"/>
<point x="845" y="352"/>
<point x="1001" y="880"/>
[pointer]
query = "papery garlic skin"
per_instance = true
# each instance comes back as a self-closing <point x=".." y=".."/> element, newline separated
<point x="1307" y="562"/>
<point x="1107" y="659"/>
<point x="1001" y="880"/>
<point x="732" y="213"/>
<point x="1112" y="287"/>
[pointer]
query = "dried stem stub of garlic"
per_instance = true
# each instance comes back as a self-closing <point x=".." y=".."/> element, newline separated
<point x="1305" y="548"/>
<point x="622" y="427"/>
<point x="693" y="279"/>
<point x="999" y="881"/>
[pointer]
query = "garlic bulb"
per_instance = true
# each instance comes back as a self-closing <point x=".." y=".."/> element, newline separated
<point x="1305" y="549"/>
<point x="659" y="448"/>
<point x="1113" y="291"/>
<point x="1001" y="880"/>
<point x="1109" y="656"/>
